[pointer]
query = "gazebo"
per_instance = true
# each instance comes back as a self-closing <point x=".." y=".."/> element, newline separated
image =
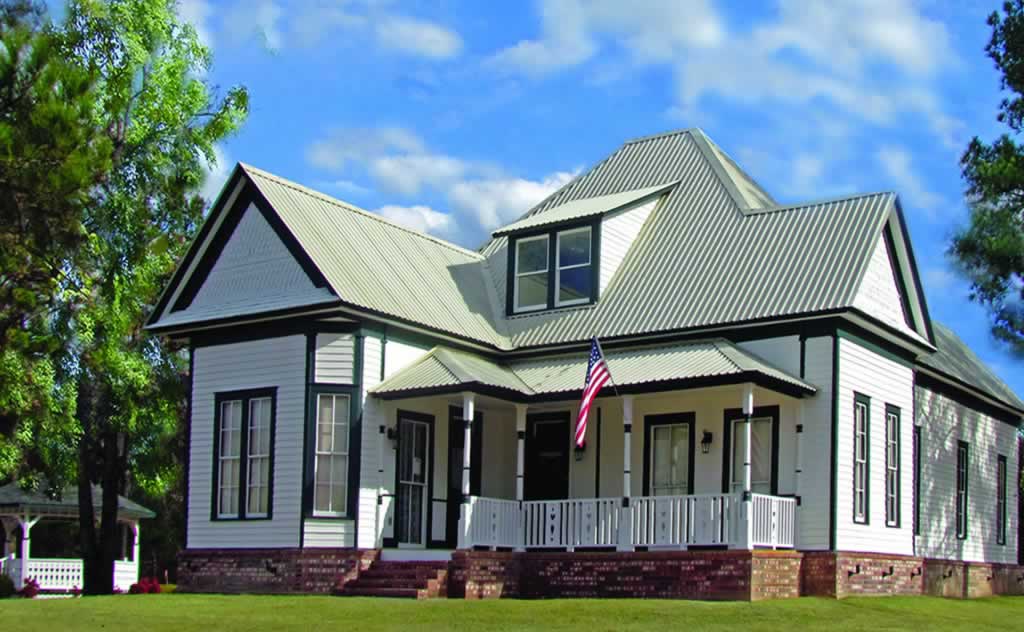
<point x="19" y="508"/>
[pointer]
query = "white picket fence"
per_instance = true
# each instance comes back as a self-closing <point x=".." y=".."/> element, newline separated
<point x="65" y="575"/>
<point x="654" y="522"/>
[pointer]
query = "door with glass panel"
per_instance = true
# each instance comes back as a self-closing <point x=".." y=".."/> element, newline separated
<point x="668" y="465"/>
<point x="413" y="470"/>
<point x="762" y="451"/>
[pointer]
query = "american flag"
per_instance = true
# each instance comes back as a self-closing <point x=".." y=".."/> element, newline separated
<point x="597" y="376"/>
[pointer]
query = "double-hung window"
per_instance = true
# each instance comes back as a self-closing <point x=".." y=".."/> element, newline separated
<point x="861" y="456"/>
<point x="1001" y="500"/>
<point x="962" y="463"/>
<point x="330" y="464"/>
<point x="553" y="269"/>
<point x="892" y="466"/>
<point x="243" y="449"/>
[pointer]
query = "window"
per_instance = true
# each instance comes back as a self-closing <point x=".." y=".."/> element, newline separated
<point x="330" y="465"/>
<point x="760" y="454"/>
<point x="917" y="480"/>
<point x="961" y="489"/>
<point x="892" y="466"/>
<point x="243" y="448"/>
<point x="555" y="269"/>
<point x="861" y="454"/>
<point x="531" y="280"/>
<point x="573" y="277"/>
<point x="1001" y="500"/>
<point x="670" y="460"/>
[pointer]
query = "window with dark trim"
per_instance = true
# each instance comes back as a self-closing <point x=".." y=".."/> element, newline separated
<point x="962" y="463"/>
<point x="861" y="457"/>
<point x="331" y="455"/>
<point x="892" y="466"/>
<point x="669" y="454"/>
<point x="243" y="463"/>
<point x="1001" y="499"/>
<point x="917" y="480"/>
<point x="556" y="268"/>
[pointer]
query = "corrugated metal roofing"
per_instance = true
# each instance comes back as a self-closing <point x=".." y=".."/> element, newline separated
<point x="955" y="359"/>
<point x="14" y="499"/>
<point x="376" y="264"/>
<point x="447" y="368"/>
<point x="588" y="207"/>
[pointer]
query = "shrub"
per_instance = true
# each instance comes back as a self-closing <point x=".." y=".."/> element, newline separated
<point x="30" y="589"/>
<point x="6" y="587"/>
<point x="136" y="589"/>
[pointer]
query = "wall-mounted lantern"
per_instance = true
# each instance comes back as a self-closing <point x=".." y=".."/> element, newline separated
<point x="705" y="442"/>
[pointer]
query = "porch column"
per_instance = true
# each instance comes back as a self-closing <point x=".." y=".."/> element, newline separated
<point x="136" y="562"/>
<point x="468" y="413"/>
<point x="747" y="521"/>
<point x="26" y="523"/>
<point x="799" y="451"/>
<point x="520" y="449"/>
<point x="626" y="519"/>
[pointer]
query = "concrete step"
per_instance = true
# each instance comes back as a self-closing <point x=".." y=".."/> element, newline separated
<point x="402" y="593"/>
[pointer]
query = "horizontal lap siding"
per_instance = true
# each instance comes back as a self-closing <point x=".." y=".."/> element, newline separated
<point x="944" y="422"/>
<point x="335" y="359"/>
<point x="275" y="362"/>
<point x="814" y="523"/>
<point x="864" y="371"/>
<point x="369" y="480"/>
<point x="328" y="534"/>
<point x="879" y="295"/>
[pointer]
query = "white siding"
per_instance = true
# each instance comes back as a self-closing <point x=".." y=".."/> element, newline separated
<point x="782" y="353"/>
<point x="618" y="232"/>
<point x="335" y="359"/>
<point x="879" y="295"/>
<point x="944" y="422"/>
<point x="329" y="534"/>
<point x="398" y="355"/>
<point x="274" y="362"/>
<point x="254" y="272"/>
<point x="885" y="381"/>
<point x="813" y="522"/>
<point x="369" y="478"/>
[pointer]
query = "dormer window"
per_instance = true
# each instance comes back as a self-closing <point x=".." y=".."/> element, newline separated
<point x="552" y="269"/>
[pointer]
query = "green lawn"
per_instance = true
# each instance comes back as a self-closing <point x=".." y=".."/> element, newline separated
<point x="181" y="613"/>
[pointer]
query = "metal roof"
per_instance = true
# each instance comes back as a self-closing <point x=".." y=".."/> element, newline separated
<point x="589" y="207"/>
<point x="955" y="359"/>
<point x="445" y="368"/>
<point x="15" y="500"/>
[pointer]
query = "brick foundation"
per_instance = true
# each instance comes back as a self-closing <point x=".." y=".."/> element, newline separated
<point x="969" y="580"/>
<point x="828" y="574"/>
<point x="718" y="575"/>
<point x="278" y="571"/>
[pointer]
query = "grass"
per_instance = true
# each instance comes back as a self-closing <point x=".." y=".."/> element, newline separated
<point x="182" y="613"/>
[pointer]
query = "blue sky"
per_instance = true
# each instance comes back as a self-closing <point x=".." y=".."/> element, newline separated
<point x="455" y="117"/>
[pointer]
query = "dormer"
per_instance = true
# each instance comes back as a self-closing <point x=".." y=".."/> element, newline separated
<point x="556" y="257"/>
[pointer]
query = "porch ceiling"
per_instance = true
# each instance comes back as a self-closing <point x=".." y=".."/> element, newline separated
<point x="16" y="501"/>
<point x="683" y="365"/>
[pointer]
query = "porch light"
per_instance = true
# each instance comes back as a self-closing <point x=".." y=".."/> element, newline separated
<point x="705" y="442"/>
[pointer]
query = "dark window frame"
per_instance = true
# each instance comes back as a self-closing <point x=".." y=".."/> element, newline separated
<point x="669" y="419"/>
<point x="963" y="463"/>
<point x="730" y="416"/>
<point x="860" y="399"/>
<point x="309" y="468"/>
<point x="917" y="478"/>
<point x="245" y="396"/>
<point x="893" y="521"/>
<point x="1002" y="478"/>
<point x="551" y="232"/>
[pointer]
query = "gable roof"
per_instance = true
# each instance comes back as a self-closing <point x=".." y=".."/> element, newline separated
<point x="955" y="359"/>
<point x="14" y="499"/>
<point x="704" y="362"/>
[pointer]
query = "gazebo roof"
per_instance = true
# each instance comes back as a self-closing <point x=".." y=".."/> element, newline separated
<point x="15" y="500"/>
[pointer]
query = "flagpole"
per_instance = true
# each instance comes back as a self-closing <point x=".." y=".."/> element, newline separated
<point x="605" y="358"/>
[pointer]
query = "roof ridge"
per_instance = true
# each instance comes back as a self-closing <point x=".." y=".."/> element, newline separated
<point x="728" y="347"/>
<point x="815" y="202"/>
<point x="355" y="209"/>
<point x="672" y="132"/>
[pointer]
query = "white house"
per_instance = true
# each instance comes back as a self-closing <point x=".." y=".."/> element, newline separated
<point x="377" y="411"/>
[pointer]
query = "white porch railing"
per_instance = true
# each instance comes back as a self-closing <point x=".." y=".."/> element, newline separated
<point x="655" y="522"/>
<point x="65" y="575"/>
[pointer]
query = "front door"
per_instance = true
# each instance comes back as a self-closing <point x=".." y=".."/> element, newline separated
<point x="456" y="440"/>
<point x="547" y="456"/>
<point x="413" y="469"/>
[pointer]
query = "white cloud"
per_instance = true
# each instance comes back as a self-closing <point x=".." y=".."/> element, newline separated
<point x="897" y="164"/>
<point x="407" y="174"/>
<point x="260" y="18"/>
<point x="417" y="37"/>
<point x="197" y="13"/>
<point x="216" y="173"/>
<point x="939" y="279"/>
<point x="345" y="145"/>
<point x="495" y="202"/>
<point x="346" y="186"/>
<point x="421" y="218"/>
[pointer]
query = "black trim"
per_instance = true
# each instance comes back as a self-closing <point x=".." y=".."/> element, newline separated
<point x="266" y="330"/>
<point x="803" y="356"/>
<point x="551" y="232"/>
<point x="733" y="414"/>
<point x="1002" y="478"/>
<point x="916" y="437"/>
<point x="651" y="421"/>
<point x="531" y="420"/>
<point x="354" y="416"/>
<point x="890" y="520"/>
<point x="244" y="396"/>
<point x="307" y="477"/>
<point x="962" y="487"/>
<point x="833" y="512"/>
<point x="921" y="301"/>
<point x="901" y="283"/>
<point x="860" y="398"/>
<point x="428" y="508"/>
<point x="188" y="437"/>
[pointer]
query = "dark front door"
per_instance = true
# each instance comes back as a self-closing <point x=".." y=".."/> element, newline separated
<point x="414" y="473"/>
<point x="547" y="456"/>
<point x="456" y="441"/>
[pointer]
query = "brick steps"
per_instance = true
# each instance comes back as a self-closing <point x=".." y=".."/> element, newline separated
<point x="410" y="580"/>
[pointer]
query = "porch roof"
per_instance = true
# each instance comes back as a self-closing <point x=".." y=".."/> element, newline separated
<point x="635" y="370"/>
<point x="15" y="500"/>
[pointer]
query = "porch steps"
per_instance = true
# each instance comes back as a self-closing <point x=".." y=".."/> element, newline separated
<point x="411" y="580"/>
